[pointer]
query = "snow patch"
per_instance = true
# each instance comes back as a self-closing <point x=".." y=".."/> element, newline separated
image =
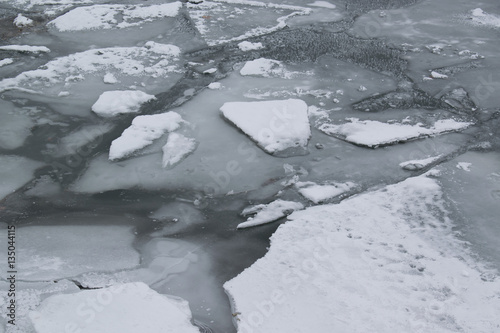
<point x="265" y="67"/>
<point x="25" y="48"/>
<point x="112" y="103"/>
<point x="177" y="148"/>
<point x="22" y="21"/>
<point x="464" y="166"/>
<point x="418" y="164"/>
<point x="323" y="4"/>
<point x="319" y="193"/>
<point x="249" y="46"/>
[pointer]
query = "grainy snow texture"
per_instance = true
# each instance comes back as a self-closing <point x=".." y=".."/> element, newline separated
<point x="318" y="193"/>
<point x="125" y="308"/>
<point x="268" y="213"/>
<point x="143" y="131"/>
<point x="113" y="16"/>
<point x="112" y="103"/>
<point x="372" y="133"/>
<point x="25" y="48"/>
<point x="274" y="125"/>
<point x="383" y="261"/>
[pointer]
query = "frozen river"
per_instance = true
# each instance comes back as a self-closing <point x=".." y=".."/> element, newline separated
<point x="250" y="166"/>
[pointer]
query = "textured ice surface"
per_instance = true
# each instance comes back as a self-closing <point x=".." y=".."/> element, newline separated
<point x="52" y="252"/>
<point x="318" y="193"/>
<point x="15" y="171"/>
<point x="112" y="103"/>
<point x="123" y="308"/>
<point x="177" y="148"/>
<point x="381" y="261"/>
<point x="418" y="164"/>
<point x="112" y="16"/>
<point x="274" y="125"/>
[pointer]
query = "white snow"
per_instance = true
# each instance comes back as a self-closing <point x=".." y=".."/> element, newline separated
<point x="210" y="71"/>
<point x="318" y="193"/>
<point x="25" y="48"/>
<point x="264" y="67"/>
<point x="124" y="308"/>
<point x="177" y="148"/>
<point x="249" y="46"/>
<point x="215" y="86"/>
<point x="53" y="252"/>
<point x="372" y="133"/>
<point x="383" y="261"/>
<point x="153" y="60"/>
<point x="15" y="171"/>
<point x="480" y="17"/>
<point x="22" y="21"/>
<point x="323" y="4"/>
<point x="436" y="75"/>
<point x="418" y="164"/>
<point x="143" y="131"/>
<point x="464" y="166"/>
<point x="268" y="213"/>
<point x="113" y="16"/>
<point x="6" y="61"/>
<point x="109" y="78"/>
<point x="112" y="103"/>
<point x="274" y="125"/>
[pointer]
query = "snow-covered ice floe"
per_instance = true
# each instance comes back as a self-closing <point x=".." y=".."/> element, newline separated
<point x="481" y="18"/>
<point x="383" y="261"/>
<point x="413" y="165"/>
<point x="152" y="59"/>
<point x="72" y="250"/>
<point x="265" y="68"/>
<point x="112" y="103"/>
<point x="249" y="46"/>
<point x="25" y="48"/>
<point x="143" y="131"/>
<point x="6" y="61"/>
<point x="125" y="308"/>
<point x="268" y="213"/>
<point x="22" y="21"/>
<point x="318" y="193"/>
<point x="274" y="125"/>
<point x="176" y="149"/>
<point x="372" y="133"/>
<point x="113" y="16"/>
<point x="245" y="17"/>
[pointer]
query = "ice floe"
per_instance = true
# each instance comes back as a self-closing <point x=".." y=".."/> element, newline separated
<point x="274" y="125"/>
<point x="464" y="166"/>
<point x="127" y="308"/>
<point x="143" y="131"/>
<point x="76" y="141"/>
<point x="419" y="164"/>
<point x="152" y="59"/>
<point x="177" y="148"/>
<point x="246" y="18"/>
<point x="112" y="103"/>
<point x="268" y="213"/>
<point x="52" y="252"/>
<point x="113" y="16"/>
<point x="25" y="48"/>
<point x="15" y="171"/>
<point x="264" y="67"/>
<point x="318" y="193"/>
<point x="6" y="61"/>
<point x="481" y="18"/>
<point x="382" y="261"/>
<point x="323" y="4"/>
<point x="372" y="133"/>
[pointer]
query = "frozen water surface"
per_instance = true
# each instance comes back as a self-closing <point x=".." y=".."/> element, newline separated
<point x="139" y="140"/>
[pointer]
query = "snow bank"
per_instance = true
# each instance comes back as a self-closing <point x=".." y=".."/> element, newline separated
<point x="124" y="308"/>
<point x="113" y="16"/>
<point x="153" y="59"/>
<point x="273" y="125"/>
<point x="268" y="213"/>
<point x="418" y="164"/>
<point x="53" y="252"/>
<point x="6" y="61"/>
<point x="249" y="46"/>
<point x="25" y="48"/>
<point x="143" y="131"/>
<point x="177" y="148"/>
<point x="112" y="103"/>
<point x="372" y="134"/>
<point x="383" y="261"/>
<point x="318" y="193"/>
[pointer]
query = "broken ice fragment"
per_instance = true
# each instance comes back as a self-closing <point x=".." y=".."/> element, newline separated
<point x="112" y="103"/>
<point x="269" y="213"/>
